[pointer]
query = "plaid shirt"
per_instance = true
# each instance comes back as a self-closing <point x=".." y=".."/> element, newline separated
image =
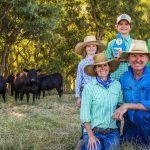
<point x="123" y="67"/>
<point x="82" y="77"/>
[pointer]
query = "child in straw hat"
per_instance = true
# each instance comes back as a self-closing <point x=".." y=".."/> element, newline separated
<point x="100" y="98"/>
<point x="88" y="48"/>
<point x="120" y="44"/>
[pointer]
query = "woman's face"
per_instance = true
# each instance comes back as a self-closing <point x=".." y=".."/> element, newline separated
<point x="91" y="49"/>
<point x="102" y="70"/>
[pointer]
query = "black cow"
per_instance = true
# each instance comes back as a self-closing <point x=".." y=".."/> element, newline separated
<point x="25" y="83"/>
<point x="49" y="82"/>
<point x="3" y="87"/>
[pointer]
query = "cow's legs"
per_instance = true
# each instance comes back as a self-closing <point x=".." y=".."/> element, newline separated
<point x="28" y="96"/>
<point x="3" y="95"/>
<point x="59" y="91"/>
<point x="21" y="96"/>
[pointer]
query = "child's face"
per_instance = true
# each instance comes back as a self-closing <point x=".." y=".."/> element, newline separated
<point x="91" y="49"/>
<point x="123" y="27"/>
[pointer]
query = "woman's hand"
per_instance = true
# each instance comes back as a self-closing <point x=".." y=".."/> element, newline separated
<point x="92" y="143"/>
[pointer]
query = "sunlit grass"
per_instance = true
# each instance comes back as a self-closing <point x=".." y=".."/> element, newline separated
<point x="50" y="124"/>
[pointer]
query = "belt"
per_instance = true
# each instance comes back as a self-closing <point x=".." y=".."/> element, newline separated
<point x="103" y="131"/>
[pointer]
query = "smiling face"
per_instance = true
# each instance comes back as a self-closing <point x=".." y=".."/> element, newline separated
<point x="91" y="49"/>
<point x="123" y="27"/>
<point x="138" y="61"/>
<point x="102" y="71"/>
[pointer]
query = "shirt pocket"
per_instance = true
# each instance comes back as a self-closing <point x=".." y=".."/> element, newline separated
<point x="144" y="92"/>
<point x="127" y="93"/>
<point x="114" y="96"/>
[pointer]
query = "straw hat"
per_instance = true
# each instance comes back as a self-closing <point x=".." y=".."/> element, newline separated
<point x="138" y="46"/>
<point x="100" y="59"/>
<point x="88" y="40"/>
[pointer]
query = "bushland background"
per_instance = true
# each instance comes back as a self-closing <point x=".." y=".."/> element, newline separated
<point x="42" y="34"/>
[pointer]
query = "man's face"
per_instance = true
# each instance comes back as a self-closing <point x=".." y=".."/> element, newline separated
<point x="138" y="61"/>
<point x="123" y="27"/>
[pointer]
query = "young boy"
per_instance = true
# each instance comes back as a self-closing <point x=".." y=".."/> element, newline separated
<point x="121" y="44"/>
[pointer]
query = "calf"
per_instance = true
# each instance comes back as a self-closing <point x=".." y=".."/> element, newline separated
<point x="49" y="82"/>
<point x="25" y="83"/>
<point x="3" y="87"/>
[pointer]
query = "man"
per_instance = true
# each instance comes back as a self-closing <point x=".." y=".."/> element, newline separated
<point x="136" y="90"/>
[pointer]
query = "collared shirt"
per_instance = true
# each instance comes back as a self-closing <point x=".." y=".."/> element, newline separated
<point x="99" y="103"/>
<point x="136" y="91"/>
<point x="82" y="77"/>
<point x="123" y="67"/>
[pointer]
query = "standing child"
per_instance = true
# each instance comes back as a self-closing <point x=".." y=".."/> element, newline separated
<point x="87" y="49"/>
<point x="122" y="43"/>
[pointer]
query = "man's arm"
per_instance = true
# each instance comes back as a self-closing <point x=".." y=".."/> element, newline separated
<point x="118" y="114"/>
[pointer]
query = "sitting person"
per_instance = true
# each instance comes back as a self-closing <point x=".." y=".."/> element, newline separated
<point x="100" y="98"/>
<point x="136" y="90"/>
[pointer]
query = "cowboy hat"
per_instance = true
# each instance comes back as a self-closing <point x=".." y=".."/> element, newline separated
<point x="137" y="46"/>
<point x="89" y="40"/>
<point x="100" y="59"/>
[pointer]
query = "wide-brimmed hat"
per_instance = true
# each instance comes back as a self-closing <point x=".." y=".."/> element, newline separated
<point x="124" y="17"/>
<point x="90" y="40"/>
<point x="137" y="47"/>
<point x="100" y="59"/>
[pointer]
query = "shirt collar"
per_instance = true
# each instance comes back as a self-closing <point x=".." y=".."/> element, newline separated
<point x="128" y="38"/>
<point x="146" y="70"/>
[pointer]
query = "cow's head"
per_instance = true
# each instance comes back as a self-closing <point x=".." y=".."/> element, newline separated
<point x="10" y="78"/>
<point x="32" y="74"/>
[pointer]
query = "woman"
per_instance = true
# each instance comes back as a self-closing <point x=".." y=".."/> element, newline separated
<point x="100" y="98"/>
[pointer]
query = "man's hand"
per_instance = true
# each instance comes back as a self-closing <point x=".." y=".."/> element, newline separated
<point x="118" y="114"/>
<point x="78" y="102"/>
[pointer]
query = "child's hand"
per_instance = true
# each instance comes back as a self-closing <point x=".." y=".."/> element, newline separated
<point x="78" y="102"/>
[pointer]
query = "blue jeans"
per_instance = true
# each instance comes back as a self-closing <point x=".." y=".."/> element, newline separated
<point x="109" y="141"/>
<point x="139" y="130"/>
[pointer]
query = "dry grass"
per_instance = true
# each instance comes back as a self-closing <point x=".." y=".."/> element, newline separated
<point x="50" y="124"/>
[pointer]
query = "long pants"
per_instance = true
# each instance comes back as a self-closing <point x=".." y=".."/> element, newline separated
<point x="139" y="130"/>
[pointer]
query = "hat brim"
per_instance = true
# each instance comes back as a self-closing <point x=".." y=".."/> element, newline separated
<point x="79" y="48"/>
<point x="113" y="64"/>
<point x="124" y="55"/>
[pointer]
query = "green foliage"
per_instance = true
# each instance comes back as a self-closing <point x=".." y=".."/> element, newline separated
<point x="43" y="33"/>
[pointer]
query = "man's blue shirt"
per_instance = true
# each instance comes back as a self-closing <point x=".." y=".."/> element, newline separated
<point x="136" y="91"/>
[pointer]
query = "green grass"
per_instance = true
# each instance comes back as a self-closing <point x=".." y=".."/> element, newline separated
<point x="50" y="124"/>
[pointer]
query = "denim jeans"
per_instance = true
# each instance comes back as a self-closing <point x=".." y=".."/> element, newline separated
<point x="139" y="130"/>
<point x="109" y="141"/>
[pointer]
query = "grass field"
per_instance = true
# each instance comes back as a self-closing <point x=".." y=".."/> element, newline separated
<point x="50" y="124"/>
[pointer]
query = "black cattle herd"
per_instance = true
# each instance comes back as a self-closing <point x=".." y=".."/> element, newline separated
<point x="30" y="82"/>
